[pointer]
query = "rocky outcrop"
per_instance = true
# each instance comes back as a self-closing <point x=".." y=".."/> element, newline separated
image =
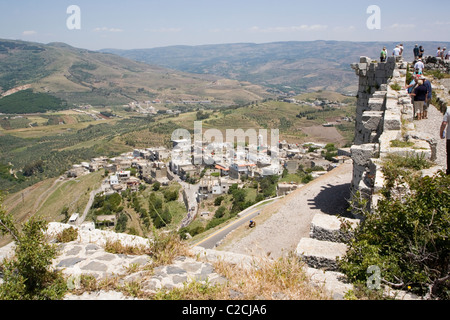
<point x="435" y="63"/>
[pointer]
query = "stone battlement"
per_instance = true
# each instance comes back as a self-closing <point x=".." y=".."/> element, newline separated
<point x="384" y="113"/>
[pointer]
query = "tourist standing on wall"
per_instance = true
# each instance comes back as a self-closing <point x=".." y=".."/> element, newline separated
<point x="421" y="51"/>
<point x="418" y="67"/>
<point x="427" y="83"/>
<point x="443" y="53"/>
<point x="438" y="52"/>
<point x="420" y="94"/>
<point x="383" y="55"/>
<point x="396" y="52"/>
<point x="401" y="48"/>
<point x="445" y="134"/>
<point x="416" y="52"/>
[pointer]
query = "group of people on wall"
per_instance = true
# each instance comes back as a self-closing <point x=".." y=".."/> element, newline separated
<point x="420" y="89"/>
<point x="418" y="51"/>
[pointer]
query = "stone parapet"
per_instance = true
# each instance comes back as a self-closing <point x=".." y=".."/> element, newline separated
<point x="384" y="113"/>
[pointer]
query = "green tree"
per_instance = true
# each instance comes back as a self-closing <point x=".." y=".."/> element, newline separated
<point x="121" y="224"/>
<point x="28" y="276"/>
<point x="156" y="186"/>
<point x="220" y="212"/>
<point x="408" y="237"/>
<point x="218" y="200"/>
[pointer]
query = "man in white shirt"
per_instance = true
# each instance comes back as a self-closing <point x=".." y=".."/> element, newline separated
<point x="396" y="52"/>
<point x="419" y="66"/>
<point x="444" y="125"/>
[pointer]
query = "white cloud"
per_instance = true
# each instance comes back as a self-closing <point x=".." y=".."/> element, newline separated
<point x="165" y="30"/>
<point x="29" y="33"/>
<point x="304" y="27"/>
<point x="105" y="29"/>
<point x="402" y="26"/>
<point x="442" y="23"/>
<point x="344" y="29"/>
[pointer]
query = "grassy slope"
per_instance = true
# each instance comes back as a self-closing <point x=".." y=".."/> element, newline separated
<point x="82" y="76"/>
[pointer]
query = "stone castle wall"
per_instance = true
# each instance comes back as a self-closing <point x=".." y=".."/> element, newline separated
<point x="384" y="113"/>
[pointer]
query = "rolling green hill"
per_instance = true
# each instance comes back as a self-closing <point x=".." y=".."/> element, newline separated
<point x="27" y="101"/>
<point x="80" y="76"/>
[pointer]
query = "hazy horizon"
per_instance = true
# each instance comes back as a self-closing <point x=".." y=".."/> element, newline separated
<point x="139" y="24"/>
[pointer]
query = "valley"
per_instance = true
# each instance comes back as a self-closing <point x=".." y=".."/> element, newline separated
<point x="97" y="105"/>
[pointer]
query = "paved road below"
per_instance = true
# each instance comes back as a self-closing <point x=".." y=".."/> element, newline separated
<point x="290" y="218"/>
<point x="212" y="240"/>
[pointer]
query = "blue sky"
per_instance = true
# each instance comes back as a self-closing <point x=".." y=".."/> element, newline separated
<point x="154" y="23"/>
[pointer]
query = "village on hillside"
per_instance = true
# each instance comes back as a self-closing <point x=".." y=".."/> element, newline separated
<point x="214" y="174"/>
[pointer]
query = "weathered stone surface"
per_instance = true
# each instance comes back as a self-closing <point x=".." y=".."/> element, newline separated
<point x="376" y="104"/>
<point x="334" y="282"/>
<point x="95" y="266"/>
<point x="328" y="228"/>
<point x="371" y="120"/>
<point x="392" y="121"/>
<point x="320" y="254"/>
<point x="74" y="251"/>
<point x="361" y="154"/>
<point x="69" y="262"/>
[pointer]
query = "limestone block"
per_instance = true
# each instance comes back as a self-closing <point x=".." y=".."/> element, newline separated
<point x="392" y="103"/>
<point x="362" y="154"/>
<point x="386" y="137"/>
<point x="328" y="228"/>
<point x="379" y="181"/>
<point x="392" y="121"/>
<point x="320" y="254"/>
<point x="364" y="59"/>
<point x="371" y="120"/>
<point x="334" y="282"/>
<point x="380" y="94"/>
<point x="376" y="104"/>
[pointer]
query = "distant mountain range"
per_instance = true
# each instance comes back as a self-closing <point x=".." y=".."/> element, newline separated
<point x="80" y="76"/>
<point x="285" y="66"/>
<point x="225" y="74"/>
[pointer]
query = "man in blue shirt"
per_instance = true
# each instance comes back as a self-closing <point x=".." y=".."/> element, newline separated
<point x="427" y="84"/>
<point x="445" y="134"/>
<point x="420" y="95"/>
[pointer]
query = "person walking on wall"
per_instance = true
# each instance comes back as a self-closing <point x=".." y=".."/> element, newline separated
<point x="445" y="134"/>
<point x="416" y="52"/>
<point x="421" y="51"/>
<point x="418" y="67"/>
<point x="383" y="55"/>
<point x="420" y="94"/>
<point x="427" y="83"/>
<point x="396" y="51"/>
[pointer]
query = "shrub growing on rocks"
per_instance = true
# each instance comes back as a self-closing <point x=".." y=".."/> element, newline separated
<point x="408" y="239"/>
<point x="28" y="275"/>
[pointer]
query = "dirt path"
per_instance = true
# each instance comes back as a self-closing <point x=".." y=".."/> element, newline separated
<point x="431" y="127"/>
<point x="282" y="224"/>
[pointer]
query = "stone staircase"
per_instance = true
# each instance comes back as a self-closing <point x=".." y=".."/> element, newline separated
<point x="326" y="242"/>
<point x="319" y="252"/>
